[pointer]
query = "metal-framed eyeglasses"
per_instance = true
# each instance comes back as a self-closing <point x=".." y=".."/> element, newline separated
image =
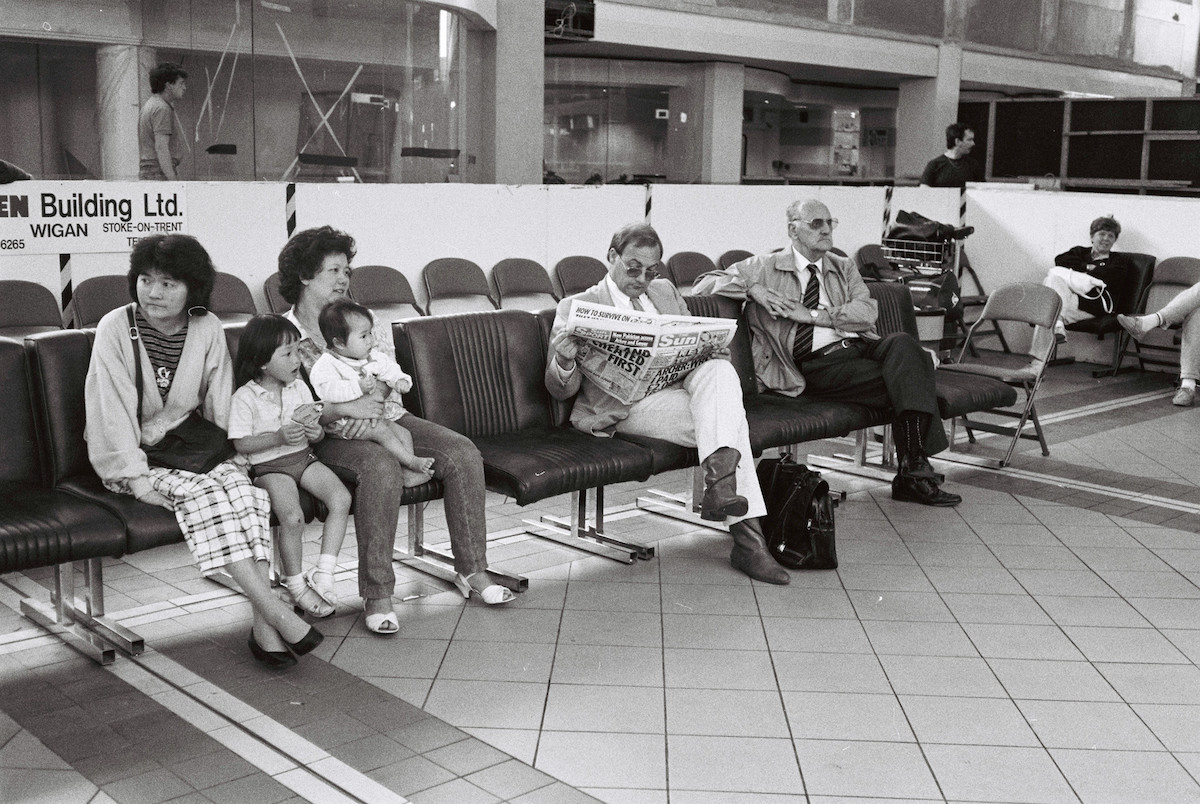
<point x="817" y="224"/>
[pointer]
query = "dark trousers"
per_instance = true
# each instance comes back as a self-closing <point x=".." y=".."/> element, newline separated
<point x="893" y="373"/>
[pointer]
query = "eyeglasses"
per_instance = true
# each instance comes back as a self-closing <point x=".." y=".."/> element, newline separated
<point x="635" y="271"/>
<point x="817" y="224"/>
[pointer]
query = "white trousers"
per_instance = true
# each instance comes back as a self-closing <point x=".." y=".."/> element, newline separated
<point x="1069" y="314"/>
<point x="1181" y="310"/>
<point x="704" y="412"/>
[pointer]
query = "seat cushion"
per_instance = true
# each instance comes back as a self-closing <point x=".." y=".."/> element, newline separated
<point x="959" y="393"/>
<point x="776" y="421"/>
<point x="664" y="455"/>
<point x="538" y="462"/>
<point x="1100" y="325"/>
<point x="145" y="525"/>
<point x="40" y="528"/>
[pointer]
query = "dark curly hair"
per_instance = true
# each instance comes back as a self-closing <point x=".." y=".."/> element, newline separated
<point x="263" y="334"/>
<point x="179" y="257"/>
<point x="302" y="256"/>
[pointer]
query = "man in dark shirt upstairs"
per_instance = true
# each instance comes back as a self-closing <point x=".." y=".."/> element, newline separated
<point x="953" y="168"/>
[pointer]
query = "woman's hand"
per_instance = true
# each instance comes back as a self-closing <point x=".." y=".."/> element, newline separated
<point x="152" y="497"/>
<point x="774" y="302"/>
<point x="362" y="414"/>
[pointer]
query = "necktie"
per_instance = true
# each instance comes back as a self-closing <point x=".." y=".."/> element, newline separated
<point x="802" y="344"/>
<point x="637" y="305"/>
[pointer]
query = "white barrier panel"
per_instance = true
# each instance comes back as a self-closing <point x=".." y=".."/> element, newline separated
<point x="408" y="226"/>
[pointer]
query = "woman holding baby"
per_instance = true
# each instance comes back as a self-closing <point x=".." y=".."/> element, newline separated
<point x="314" y="268"/>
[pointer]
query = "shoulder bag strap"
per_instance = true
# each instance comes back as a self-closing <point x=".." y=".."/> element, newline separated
<point x="134" y="339"/>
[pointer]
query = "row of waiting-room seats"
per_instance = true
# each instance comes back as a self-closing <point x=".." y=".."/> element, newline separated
<point x="53" y="510"/>
<point x="452" y="285"/>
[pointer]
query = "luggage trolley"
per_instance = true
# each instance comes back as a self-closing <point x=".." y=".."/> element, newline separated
<point x="930" y="258"/>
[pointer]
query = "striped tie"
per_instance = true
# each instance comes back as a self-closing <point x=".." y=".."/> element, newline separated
<point x="637" y="305"/>
<point x="802" y="345"/>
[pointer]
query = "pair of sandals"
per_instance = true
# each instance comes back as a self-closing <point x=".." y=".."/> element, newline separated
<point x="386" y="623"/>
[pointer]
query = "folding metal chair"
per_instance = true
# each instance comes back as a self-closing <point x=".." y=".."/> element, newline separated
<point x="231" y="300"/>
<point x="685" y="267"/>
<point x="28" y="308"/>
<point x="578" y="273"/>
<point x="454" y="285"/>
<point x="1025" y="303"/>
<point x="1172" y="276"/>
<point x="523" y="284"/>
<point x="384" y="291"/>
<point x="733" y="255"/>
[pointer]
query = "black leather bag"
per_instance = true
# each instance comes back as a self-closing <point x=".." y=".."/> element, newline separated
<point x="195" y="444"/>
<point x="915" y="226"/>
<point x="799" y="525"/>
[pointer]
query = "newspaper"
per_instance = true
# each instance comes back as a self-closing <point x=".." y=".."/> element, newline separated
<point x="631" y="355"/>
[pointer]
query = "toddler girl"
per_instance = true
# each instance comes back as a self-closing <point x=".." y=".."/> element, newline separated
<point x="272" y="421"/>
<point x="353" y="366"/>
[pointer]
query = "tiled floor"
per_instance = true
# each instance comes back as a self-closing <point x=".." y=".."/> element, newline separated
<point x="1039" y="643"/>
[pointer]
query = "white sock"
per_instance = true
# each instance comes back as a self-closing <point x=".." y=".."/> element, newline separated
<point x="327" y="563"/>
<point x="1188" y="383"/>
<point x="295" y="584"/>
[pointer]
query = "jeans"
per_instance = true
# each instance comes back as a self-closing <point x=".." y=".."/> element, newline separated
<point x="457" y="463"/>
<point x="1180" y="311"/>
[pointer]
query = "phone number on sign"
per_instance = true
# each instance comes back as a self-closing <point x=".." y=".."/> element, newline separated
<point x="12" y="244"/>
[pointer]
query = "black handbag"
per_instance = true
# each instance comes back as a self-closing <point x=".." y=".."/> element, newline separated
<point x="799" y="525"/>
<point x="195" y="444"/>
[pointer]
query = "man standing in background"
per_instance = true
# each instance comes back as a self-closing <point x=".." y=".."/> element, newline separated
<point x="160" y="145"/>
<point x="953" y="168"/>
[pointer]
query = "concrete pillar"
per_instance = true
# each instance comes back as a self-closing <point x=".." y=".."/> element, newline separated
<point x="520" y="82"/>
<point x="704" y="138"/>
<point x="122" y="84"/>
<point x="721" y="126"/>
<point x="926" y="106"/>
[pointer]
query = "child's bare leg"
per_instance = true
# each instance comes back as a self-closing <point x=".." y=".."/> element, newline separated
<point x="285" y="504"/>
<point x="398" y="441"/>
<point x="320" y="481"/>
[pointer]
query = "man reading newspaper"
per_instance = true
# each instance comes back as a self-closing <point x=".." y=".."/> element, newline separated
<point x="692" y="396"/>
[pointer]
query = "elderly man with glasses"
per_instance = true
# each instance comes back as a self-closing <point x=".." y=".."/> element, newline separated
<point x="813" y="327"/>
<point x="703" y="411"/>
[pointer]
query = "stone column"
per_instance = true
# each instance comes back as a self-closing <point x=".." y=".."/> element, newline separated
<point x="121" y="86"/>
<point x="926" y="106"/>
<point x="520" y="81"/>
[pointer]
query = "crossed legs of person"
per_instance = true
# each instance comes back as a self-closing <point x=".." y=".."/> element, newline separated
<point x="705" y="411"/>
<point x="226" y="522"/>
<point x="894" y="374"/>
<point x="1180" y="311"/>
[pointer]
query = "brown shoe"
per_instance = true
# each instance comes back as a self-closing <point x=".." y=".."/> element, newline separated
<point x="720" y="486"/>
<point x="750" y="554"/>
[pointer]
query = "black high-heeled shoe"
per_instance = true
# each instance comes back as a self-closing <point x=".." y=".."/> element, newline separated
<point x="278" y="659"/>
<point x="307" y="642"/>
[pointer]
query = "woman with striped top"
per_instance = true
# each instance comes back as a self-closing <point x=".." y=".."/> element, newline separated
<point x="185" y="367"/>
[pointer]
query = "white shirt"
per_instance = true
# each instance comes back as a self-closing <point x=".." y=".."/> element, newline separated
<point x="255" y="410"/>
<point x="623" y="302"/>
<point x="822" y="336"/>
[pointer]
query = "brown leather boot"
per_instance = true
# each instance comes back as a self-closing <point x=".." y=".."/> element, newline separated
<point x="720" y="486"/>
<point x="750" y="553"/>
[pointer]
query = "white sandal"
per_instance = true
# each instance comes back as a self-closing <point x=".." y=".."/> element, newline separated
<point x="492" y="595"/>
<point x="320" y="608"/>
<point x="324" y="591"/>
<point x="384" y="624"/>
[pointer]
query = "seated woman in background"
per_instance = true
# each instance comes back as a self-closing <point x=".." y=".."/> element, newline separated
<point x="1180" y="310"/>
<point x="178" y="351"/>
<point x="1089" y="278"/>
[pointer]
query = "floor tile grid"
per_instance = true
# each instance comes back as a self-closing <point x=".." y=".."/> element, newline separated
<point x="988" y="660"/>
